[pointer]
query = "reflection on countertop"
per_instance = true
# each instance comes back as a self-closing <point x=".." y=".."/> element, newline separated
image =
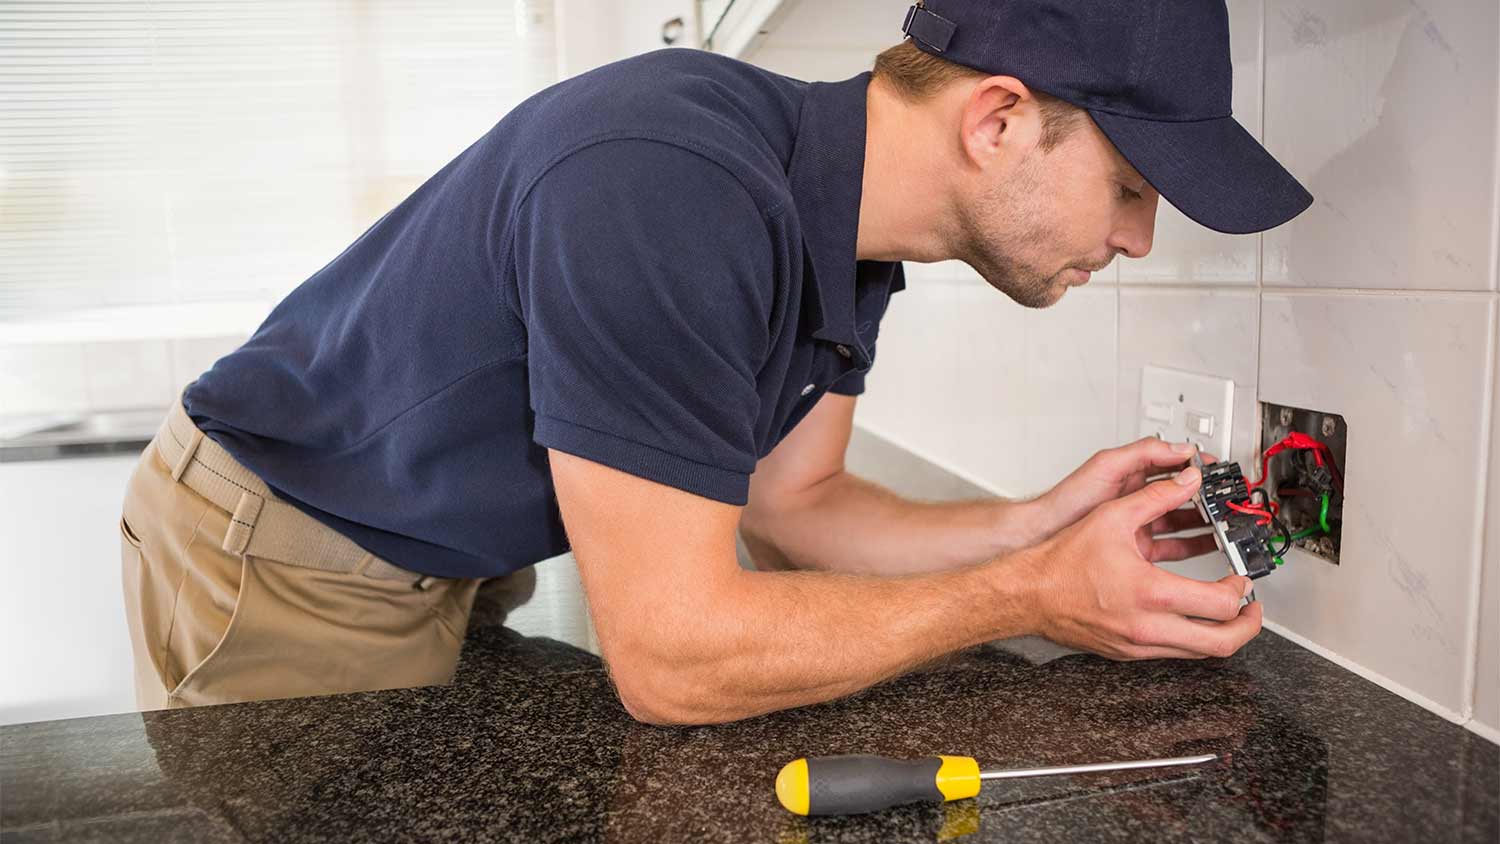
<point x="530" y="744"/>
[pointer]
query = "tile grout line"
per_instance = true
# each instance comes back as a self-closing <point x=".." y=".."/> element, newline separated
<point x="1495" y="195"/>
<point x="1384" y="293"/>
<point x="1486" y="460"/>
<point x="1489" y="460"/>
<point x="1260" y="258"/>
<point x="1294" y="290"/>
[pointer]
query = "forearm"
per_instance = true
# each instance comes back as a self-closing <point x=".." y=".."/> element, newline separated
<point x="758" y="642"/>
<point x="848" y="524"/>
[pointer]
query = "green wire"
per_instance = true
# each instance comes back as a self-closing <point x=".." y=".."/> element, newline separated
<point x="1320" y="527"/>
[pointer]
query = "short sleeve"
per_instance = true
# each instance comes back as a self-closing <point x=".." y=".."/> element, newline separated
<point x="645" y="283"/>
<point x="852" y="384"/>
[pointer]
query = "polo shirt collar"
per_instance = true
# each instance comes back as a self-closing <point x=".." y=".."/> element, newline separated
<point x="827" y="179"/>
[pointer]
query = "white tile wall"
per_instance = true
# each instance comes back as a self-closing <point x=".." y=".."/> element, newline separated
<point x="1209" y="331"/>
<point x="1386" y="110"/>
<point x="918" y="397"/>
<point x="984" y="425"/>
<point x="1402" y="371"/>
<point x="1069" y="393"/>
<point x="1016" y="397"/>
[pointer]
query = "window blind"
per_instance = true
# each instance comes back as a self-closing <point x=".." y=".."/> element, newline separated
<point x="193" y="151"/>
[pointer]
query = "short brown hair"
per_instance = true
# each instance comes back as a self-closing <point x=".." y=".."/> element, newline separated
<point x="918" y="76"/>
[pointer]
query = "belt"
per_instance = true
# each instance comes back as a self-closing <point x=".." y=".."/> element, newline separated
<point x="260" y="524"/>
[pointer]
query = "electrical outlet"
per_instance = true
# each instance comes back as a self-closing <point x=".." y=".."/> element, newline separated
<point x="1187" y="407"/>
<point x="1305" y="480"/>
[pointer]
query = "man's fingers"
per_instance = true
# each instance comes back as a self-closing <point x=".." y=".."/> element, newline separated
<point x="1216" y="601"/>
<point x="1209" y="638"/>
<point x="1150" y="455"/>
<point x="1178" y="520"/>
<point x="1155" y="500"/>
<point x="1169" y="550"/>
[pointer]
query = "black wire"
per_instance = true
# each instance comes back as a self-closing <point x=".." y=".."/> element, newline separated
<point x="1286" y="537"/>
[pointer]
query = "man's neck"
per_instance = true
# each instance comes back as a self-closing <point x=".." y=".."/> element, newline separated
<point x="902" y="209"/>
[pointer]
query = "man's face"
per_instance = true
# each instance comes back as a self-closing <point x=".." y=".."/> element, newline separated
<point x="1057" y="217"/>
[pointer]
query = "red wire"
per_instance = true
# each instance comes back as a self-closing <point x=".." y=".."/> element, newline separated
<point x="1251" y="511"/>
<point x="1294" y="440"/>
<point x="1298" y="440"/>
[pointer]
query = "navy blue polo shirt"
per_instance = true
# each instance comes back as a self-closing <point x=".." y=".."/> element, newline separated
<point x="650" y="265"/>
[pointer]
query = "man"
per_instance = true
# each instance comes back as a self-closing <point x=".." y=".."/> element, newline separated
<point x="640" y="308"/>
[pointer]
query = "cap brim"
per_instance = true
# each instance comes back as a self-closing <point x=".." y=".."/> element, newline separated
<point x="1213" y="171"/>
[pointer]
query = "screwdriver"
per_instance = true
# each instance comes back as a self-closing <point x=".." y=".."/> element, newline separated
<point x="856" y="783"/>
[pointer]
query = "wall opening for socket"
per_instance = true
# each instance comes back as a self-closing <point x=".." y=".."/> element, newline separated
<point x="1305" y="480"/>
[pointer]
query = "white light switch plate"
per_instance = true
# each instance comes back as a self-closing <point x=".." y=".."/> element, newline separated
<point x="1187" y="406"/>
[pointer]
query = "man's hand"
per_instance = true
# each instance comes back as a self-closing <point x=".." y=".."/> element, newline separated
<point x="1098" y="591"/>
<point x="1117" y="472"/>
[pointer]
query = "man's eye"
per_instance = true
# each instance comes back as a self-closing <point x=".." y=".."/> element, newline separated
<point x="1127" y="193"/>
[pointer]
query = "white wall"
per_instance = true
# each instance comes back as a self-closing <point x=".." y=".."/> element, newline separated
<point x="1379" y="303"/>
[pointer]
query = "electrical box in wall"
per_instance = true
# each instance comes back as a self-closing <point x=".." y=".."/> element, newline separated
<point x="1302" y="471"/>
<point x="1183" y="406"/>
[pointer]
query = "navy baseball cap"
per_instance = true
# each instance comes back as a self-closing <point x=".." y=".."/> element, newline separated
<point x="1153" y="74"/>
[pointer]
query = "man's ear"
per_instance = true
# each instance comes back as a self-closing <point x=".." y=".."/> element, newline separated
<point x="1000" y="124"/>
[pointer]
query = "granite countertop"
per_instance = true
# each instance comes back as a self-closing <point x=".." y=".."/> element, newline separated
<point x="531" y="744"/>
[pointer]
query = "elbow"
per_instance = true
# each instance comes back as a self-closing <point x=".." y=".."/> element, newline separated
<point x="647" y="711"/>
<point x="674" y="696"/>
<point x="652" y="703"/>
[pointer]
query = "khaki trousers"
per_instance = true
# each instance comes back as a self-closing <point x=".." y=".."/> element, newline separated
<point x="231" y="594"/>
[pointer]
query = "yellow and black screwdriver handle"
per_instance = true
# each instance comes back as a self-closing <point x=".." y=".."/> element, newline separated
<point x="847" y="785"/>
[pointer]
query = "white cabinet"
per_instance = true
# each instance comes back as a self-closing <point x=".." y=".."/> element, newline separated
<point x="66" y="650"/>
<point x="733" y="27"/>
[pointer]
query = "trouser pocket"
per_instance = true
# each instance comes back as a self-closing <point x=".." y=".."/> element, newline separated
<point x="211" y="596"/>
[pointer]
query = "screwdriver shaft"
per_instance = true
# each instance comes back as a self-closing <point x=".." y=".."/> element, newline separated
<point x="1102" y="766"/>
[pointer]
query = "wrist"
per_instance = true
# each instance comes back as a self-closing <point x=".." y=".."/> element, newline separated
<point x="1022" y="524"/>
<point x="1017" y="590"/>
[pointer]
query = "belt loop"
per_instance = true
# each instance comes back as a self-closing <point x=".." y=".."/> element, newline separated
<point x="187" y="454"/>
<point x="242" y="523"/>
<point x="364" y="563"/>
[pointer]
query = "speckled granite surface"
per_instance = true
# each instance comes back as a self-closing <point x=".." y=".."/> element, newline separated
<point x="530" y="744"/>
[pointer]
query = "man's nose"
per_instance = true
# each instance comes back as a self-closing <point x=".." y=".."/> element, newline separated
<point x="1136" y="227"/>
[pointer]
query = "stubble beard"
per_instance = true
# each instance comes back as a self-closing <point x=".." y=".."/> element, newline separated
<point x="1000" y="228"/>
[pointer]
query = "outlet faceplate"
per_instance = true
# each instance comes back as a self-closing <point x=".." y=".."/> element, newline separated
<point x="1187" y="406"/>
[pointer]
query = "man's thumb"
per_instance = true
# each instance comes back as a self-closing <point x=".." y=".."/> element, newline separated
<point x="1159" y="498"/>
